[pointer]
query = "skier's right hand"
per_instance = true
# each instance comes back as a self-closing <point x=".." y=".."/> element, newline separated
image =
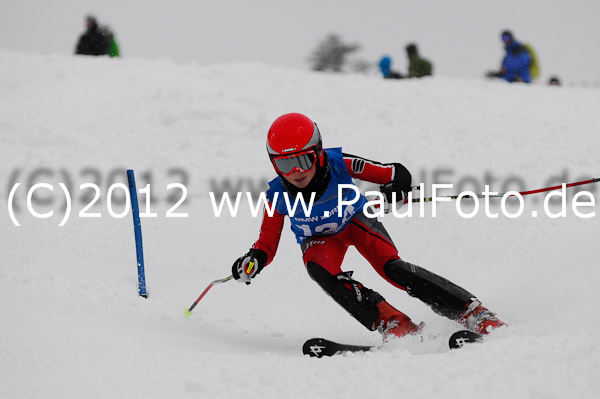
<point x="246" y="267"/>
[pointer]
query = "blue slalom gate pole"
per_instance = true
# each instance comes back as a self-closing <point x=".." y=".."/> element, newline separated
<point x="137" y="228"/>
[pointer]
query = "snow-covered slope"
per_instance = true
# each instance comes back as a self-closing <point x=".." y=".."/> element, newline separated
<point x="73" y="325"/>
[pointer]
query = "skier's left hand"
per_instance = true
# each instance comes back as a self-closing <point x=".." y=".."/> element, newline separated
<point x="395" y="187"/>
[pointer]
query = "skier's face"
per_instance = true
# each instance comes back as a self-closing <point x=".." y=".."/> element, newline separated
<point x="301" y="178"/>
<point x="507" y="40"/>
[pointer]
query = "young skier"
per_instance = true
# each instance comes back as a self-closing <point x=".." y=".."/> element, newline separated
<point x="304" y="167"/>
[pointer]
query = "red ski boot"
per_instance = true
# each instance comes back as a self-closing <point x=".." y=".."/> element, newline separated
<point x="479" y="319"/>
<point x="393" y="323"/>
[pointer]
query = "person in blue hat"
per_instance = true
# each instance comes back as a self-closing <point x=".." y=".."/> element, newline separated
<point x="516" y="63"/>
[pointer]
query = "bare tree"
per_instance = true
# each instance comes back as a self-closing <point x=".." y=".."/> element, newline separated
<point x="330" y="54"/>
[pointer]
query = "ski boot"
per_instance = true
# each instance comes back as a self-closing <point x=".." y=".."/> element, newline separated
<point x="393" y="323"/>
<point x="479" y="319"/>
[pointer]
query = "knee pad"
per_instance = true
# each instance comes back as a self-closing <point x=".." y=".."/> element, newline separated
<point x="358" y="300"/>
<point x="443" y="296"/>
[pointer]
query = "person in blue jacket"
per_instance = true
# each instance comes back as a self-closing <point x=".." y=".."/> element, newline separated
<point x="385" y="66"/>
<point x="516" y="63"/>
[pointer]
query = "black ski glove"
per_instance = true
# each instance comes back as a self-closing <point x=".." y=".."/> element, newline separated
<point x="247" y="266"/>
<point x="395" y="187"/>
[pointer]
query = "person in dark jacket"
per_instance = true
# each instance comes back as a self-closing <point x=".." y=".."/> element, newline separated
<point x="516" y="63"/>
<point x="554" y="81"/>
<point x="417" y="66"/>
<point x="93" y="41"/>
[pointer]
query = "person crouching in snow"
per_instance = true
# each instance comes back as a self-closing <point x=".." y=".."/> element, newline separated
<point x="304" y="168"/>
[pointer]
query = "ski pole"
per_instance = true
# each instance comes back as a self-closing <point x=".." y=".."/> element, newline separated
<point x="539" y="190"/>
<point x="188" y="311"/>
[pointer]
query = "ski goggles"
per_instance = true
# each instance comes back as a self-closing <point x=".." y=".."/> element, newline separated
<point x="303" y="161"/>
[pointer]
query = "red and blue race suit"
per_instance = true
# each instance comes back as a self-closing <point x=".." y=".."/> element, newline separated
<point x="325" y="239"/>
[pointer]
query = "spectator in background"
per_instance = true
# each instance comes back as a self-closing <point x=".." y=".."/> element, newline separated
<point x="417" y="66"/>
<point x="92" y="41"/>
<point x="554" y="81"/>
<point x="113" y="47"/>
<point x="516" y="63"/>
<point x="385" y="66"/>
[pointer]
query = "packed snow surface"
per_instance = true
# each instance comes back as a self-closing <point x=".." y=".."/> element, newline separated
<point x="73" y="325"/>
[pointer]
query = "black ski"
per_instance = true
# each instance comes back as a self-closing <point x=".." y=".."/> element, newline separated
<point x="460" y="338"/>
<point x="319" y="347"/>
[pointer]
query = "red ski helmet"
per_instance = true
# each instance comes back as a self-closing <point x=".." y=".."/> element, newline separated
<point x="294" y="142"/>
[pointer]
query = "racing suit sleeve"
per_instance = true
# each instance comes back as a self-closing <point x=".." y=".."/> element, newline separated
<point x="270" y="233"/>
<point x="377" y="172"/>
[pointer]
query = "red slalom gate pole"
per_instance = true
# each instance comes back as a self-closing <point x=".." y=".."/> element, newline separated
<point x="188" y="311"/>
<point x="539" y="190"/>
